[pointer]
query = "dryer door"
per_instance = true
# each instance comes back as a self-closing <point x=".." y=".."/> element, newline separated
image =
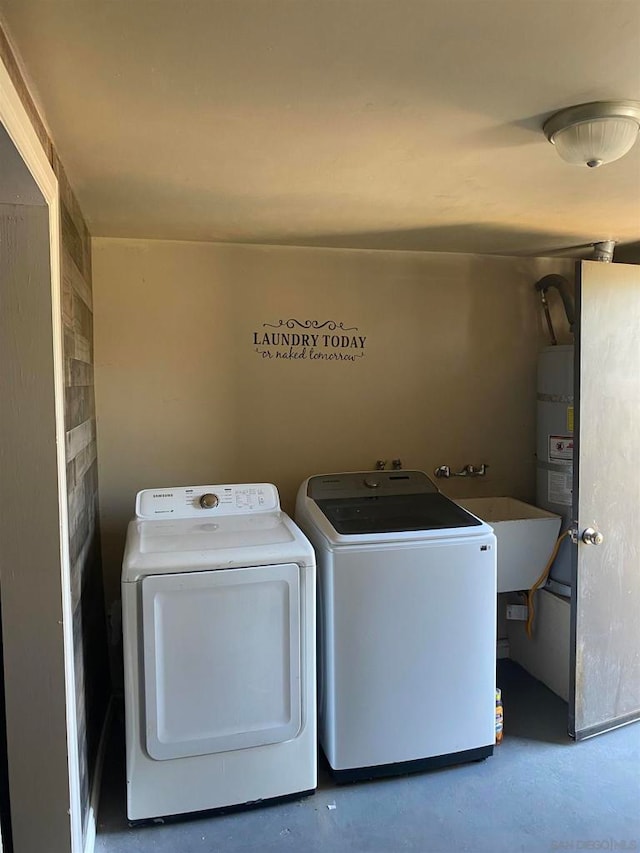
<point x="222" y="659"/>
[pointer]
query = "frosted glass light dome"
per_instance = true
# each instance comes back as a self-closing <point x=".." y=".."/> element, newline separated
<point x="596" y="133"/>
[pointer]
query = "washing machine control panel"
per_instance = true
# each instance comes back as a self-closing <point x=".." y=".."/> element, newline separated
<point x="201" y="501"/>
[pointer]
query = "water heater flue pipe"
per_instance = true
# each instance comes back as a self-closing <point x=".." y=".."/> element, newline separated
<point x="603" y="251"/>
<point x="564" y="289"/>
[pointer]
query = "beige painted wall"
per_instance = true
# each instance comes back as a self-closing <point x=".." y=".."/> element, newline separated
<point x="448" y="374"/>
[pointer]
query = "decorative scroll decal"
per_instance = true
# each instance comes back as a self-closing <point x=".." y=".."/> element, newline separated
<point x="291" y="323"/>
<point x="312" y="344"/>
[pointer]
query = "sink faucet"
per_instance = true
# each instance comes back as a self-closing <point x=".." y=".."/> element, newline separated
<point x="467" y="471"/>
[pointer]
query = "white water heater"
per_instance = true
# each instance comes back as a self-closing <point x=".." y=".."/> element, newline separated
<point x="554" y="477"/>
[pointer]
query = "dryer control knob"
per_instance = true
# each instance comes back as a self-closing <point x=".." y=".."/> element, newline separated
<point x="370" y="483"/>
<point x="209" y="501"/>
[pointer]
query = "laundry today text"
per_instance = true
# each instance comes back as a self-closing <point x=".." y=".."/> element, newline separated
<point x="308" y="339"/>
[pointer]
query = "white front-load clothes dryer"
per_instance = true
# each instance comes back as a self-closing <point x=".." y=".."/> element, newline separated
<point x="218" y="598"/>
<point x="407" y="623"/>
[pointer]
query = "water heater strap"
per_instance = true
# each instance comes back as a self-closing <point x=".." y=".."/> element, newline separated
<point x="555" y="398"/>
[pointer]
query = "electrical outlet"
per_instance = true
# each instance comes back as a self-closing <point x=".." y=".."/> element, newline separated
<point x="517" y="612"/>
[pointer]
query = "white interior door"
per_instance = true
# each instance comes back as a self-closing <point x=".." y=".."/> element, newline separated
<point x="222" y="660"/>
<point x="605" y="666"/>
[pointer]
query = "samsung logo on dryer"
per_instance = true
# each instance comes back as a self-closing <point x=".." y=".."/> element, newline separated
<point x="163" y="495"/>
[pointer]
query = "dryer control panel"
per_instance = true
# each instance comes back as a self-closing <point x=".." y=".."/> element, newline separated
<point x="207" y="501"/>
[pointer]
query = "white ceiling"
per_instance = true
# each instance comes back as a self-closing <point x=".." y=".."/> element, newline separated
<point x="409" y="124"/>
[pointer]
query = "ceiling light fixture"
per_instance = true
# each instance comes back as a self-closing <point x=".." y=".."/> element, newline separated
<point x="596" y="133"/>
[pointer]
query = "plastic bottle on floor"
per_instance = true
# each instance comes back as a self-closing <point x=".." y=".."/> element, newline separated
<point x="499" y="716"/>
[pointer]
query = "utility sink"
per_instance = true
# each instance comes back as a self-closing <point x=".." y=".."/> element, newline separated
<point x="526" y="536"/>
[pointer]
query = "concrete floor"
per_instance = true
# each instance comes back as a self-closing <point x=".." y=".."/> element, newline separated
<point x="539" y="791"/>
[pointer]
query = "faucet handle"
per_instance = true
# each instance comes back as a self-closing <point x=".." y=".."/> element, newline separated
<point x="472" y="471"/>
<point x="443" y="471"/>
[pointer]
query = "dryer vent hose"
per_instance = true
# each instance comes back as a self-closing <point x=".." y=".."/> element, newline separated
<point x="564" y="289"/>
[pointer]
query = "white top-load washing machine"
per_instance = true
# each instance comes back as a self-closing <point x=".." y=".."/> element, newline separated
<point x="407" y="623"/>
<point x="218" y="597"/>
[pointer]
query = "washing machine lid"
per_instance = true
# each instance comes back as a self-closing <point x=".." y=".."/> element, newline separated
<point x="174" y="532"/>
<point x="382" y="503"/>
<point x="395" y="513"/>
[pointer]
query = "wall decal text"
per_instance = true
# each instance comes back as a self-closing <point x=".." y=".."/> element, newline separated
<point x="317" y="341"/>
